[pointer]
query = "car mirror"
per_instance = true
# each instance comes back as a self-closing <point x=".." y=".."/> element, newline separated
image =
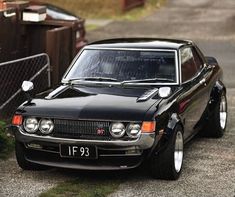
<point x="164" y="92"/>
<point x="27" y="86"/>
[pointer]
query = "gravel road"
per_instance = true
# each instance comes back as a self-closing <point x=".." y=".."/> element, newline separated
<point x="15" y="182"/>
<point x="209" y="165"/>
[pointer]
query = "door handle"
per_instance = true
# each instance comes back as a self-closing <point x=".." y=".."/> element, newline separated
<point x="203" y="81"/>
<point x="9" y="15"/>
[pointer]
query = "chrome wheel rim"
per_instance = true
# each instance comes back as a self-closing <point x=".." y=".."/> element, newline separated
<point x="223" y="112"/>
<point x="178" y="153"/>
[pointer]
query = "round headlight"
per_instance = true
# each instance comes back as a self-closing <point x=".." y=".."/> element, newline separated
<point x="133" y="130"/>
<point x="31" y="125"/>
<point x="117" y="130"/>
<point x="46" y="126"/>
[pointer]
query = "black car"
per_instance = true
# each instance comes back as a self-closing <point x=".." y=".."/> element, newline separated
<point x="121" y="103"/>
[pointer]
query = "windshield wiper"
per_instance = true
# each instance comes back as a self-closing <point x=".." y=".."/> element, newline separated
<point x="93" y="79"/>
<point x="148" y="80"/>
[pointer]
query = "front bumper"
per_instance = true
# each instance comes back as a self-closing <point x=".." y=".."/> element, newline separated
<point x="112" y="155"/>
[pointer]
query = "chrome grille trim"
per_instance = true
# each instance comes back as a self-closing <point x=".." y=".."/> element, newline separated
<point x="80" y="129"/>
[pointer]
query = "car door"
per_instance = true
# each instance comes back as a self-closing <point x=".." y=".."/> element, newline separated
<point x="195" y="95"/>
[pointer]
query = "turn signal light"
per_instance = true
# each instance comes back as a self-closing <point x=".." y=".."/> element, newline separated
<point x="17" y="120"/>
<point x="148" y="127"/>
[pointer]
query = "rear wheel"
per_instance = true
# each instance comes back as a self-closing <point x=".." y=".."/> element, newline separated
<point x="217" y="123"/>
<point x="168" y="163"/>
<point x="22" y="162"/>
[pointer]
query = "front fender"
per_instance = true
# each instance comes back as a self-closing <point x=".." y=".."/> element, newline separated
<point x="164" y="136"/>
<point x="215" y="95"/>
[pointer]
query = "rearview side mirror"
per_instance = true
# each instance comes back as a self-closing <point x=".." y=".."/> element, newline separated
<point x="27" y="86"/>
<point x="164" y="92"/>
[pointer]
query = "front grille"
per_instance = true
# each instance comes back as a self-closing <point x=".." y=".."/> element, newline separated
<point x="81" y="129"/>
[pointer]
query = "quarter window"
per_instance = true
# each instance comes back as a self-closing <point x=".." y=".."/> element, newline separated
<point x="191" y="63"/>
<point x="198" y="60"/>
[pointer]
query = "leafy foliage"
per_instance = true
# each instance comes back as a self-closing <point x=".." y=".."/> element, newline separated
<point x="6" y="142"/>
<point x="107" y="9"/>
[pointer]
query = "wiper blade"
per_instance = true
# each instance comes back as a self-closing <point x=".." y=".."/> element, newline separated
<point x="148" y="80"/>
<point x="93" y="79"/>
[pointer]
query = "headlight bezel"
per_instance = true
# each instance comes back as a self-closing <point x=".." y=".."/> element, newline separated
<point x="51" y="125"/>
<point x="130" y="127"/>
<point x="122" y="133"/>
<point x="26" y="122"/>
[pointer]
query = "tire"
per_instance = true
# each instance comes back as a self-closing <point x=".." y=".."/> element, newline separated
<point x="22" y="162"/>
<point x="167" y="164"/>
<point x="216" y="125"/>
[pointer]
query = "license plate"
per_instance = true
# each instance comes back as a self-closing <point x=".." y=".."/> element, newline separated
<point x="77" y="151"/>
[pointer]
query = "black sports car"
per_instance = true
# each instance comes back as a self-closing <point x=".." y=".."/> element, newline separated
<point x="121" y="103"/>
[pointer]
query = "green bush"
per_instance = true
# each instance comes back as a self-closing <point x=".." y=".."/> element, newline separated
<point x="89" y="8"/>
<point x="6" y="141"/>
<point x="102" y="9"/>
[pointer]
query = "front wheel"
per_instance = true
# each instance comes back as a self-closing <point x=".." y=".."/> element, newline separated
<point x="21" y="160"/>
<point x="168" y="163"/>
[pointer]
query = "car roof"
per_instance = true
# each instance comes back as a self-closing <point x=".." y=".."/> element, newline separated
<point x="143" y="43"/>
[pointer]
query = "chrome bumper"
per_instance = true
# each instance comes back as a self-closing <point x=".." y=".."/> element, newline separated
<point x="145" y="141"/>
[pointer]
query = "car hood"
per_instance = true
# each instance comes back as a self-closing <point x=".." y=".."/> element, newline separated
<point x="94" y="103"/>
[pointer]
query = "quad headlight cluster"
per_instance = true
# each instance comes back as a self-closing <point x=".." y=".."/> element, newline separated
<point x="118" y="130"/>
<point x="45" y="126"/>
<point x="32" y="125"/>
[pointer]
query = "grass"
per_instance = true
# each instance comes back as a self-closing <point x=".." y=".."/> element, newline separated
<point x="140" y="12"/>
<point x="83" y="188"/>
<point x="6" y="142"/>
<point x="89" y="8"/>
<point x="90" y="27"/>
<point x="106" y="9"/>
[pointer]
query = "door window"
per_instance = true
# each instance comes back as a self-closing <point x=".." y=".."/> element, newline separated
<point x="197" y="59"/>
<point x="191" y="63"/>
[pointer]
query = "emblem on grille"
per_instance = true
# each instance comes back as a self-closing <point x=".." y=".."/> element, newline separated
<point x="100" y="130"/>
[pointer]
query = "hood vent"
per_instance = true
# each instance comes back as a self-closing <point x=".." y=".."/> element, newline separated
<point x="147" y="95"/>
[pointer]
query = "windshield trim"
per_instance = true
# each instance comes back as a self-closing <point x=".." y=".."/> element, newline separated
<point x="64" y="80"/>
<point x="118" y="83"/>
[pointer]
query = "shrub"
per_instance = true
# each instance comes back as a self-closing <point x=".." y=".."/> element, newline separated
<point x="6" y="141"/>
<point x="90" y="8"/>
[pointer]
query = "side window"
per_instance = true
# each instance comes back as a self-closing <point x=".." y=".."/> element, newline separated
<point x="197" y="59"/>
<point x="188" y="66"/>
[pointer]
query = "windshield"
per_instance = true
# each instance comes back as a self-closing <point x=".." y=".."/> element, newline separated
<point x="124" y="65"/>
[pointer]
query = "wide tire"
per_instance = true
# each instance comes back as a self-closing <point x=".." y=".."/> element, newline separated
<point x="217" y="123"/>
<point x="167" y="164"/>
<point x="22" y="162"/>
